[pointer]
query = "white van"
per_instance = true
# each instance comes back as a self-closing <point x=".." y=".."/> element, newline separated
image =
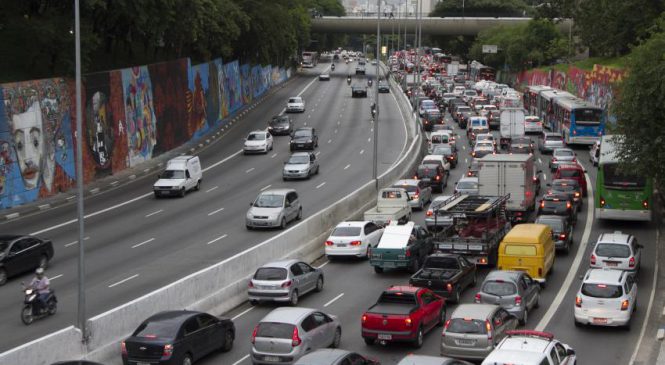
<point x="182" y="173"/>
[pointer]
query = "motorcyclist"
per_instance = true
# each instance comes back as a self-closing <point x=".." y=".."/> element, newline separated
<point x="41" y="284"/>
<point x="332" y="67"/>
<point x="369" y="82"/>
<point x="348" y="79"/>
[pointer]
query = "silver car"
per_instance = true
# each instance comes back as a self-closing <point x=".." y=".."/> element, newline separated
<point x="474" y="329"/>
<point x="419" y="192"/>
<point x="284" y="281"/>
<point x="335" y="357"/>
<point x="413" y="359"/>
<point x="286" y="334"/>
<point x="514" y="291"/>
<point x="435" y="221"/>
<point x="301" y="165"/>
<point x="616" y="250"/>
<point x="562" y="156"/>
<point x="550" y="141"/>
<point x="467" y="185"/>
<point x="273" y="208"/>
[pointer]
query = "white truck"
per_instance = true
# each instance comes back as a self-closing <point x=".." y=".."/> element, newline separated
<point x="182" y="173"/>
<point x="504" y="174"/>
<point x="452" y="68"/>
<point x="392" y="204"/>
<point x="511" y="125"/>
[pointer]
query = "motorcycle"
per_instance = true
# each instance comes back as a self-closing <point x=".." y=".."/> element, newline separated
<point x="369" y="82"/>
<point x="33" y="310"/>
<point x="348" y="80"/>
<point x="332" y="67"/>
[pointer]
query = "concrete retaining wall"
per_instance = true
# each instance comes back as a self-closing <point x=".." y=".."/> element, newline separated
<point x="62" y="345"/>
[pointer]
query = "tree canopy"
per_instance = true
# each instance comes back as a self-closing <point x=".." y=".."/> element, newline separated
<point x="480" y="8"/>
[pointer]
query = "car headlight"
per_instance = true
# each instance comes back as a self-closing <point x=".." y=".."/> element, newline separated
<point x="309" y="141"/>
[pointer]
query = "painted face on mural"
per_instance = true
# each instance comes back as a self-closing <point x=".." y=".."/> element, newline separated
<point x="29" y="144"/>
<point x="99" y="138"/>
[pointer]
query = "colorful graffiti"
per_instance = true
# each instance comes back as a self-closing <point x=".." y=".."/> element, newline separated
<point x="257" y="81"/>
<point x="233" y="86"/>
<point x="140" y="119"/>
<point x="246" y="81"/>
<point x="173" y="124"/>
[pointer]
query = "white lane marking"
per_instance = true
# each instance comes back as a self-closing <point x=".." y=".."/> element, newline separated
<point x="242" y="313"/>
<point x="317" y="153"/>
<point x="466" y="160"/>
<point x="648" y="313"/>
<point x="265" y="187"/>
<point x="540" y="161"/>
<point x="143" y="243"/>
<point x="55" y="277"/>
<point x="249" y="170"/>
<point x="323" y="264"/>
<point x="369" y="139"/>
<point x="75" y="242"/>
<point x="218" y="238"/>
<point x="153" y="213"/>
<point x="339" y="123"/>
<point x="321" y="184"/>
<point x="305" y="124"/>
<point x="307" y="87"/>
<point x="545" y="176"/>
<point x="362" y="151"/>
<point x="124" y="280"/>
<point x="215" y="211"/>
<point x="241" y="360"/>
<point x="572" y="272"/>
<point x="330" y="140"/>
<point x="211" y="189"/>
<point x="273" y="155"/>
<point x="333" y="300"/>
<point x="347" y="166"/>
<point x="222" y="161"/>
<point x="335" y="130"/>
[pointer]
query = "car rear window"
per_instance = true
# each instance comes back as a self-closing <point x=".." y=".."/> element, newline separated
<point x="270" y="273"/>
<point x="440" y="139"/>
<point x="275" y="330"/>
<point x="446" y="150"/>
<point x="408" y="188"/>
<point x="563" y="153"/>
<point x="427" y="171"/>
<point x="520" y="250"/>
<point x="166" y="329"/>
<point x="398" y="298"/>
<point x="563" y="187"/>
<point x="346" y="232"/>
<point x="553" y="138"/>
<point x="556" y="224"/>
<point x="569" y="173"/>
<point x="602" y="290"/>
<point x="466" y="325"/>
<point x="555" y="204"/>
<point x="499" y="288"/>
<point x="467" y="185"/>
<point x="612" y="250"/>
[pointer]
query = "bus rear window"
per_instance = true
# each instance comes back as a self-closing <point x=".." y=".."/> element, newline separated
<point x="520" y="250"/>
<point x="588" y="116"/>
<point x="616" y="179"/>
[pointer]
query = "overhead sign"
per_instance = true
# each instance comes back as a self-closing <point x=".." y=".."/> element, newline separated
<point x="384" y="50"/>
<point x="490" y="48"/>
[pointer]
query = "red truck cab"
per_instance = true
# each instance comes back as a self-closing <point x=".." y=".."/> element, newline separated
<point x="403" y="313"/>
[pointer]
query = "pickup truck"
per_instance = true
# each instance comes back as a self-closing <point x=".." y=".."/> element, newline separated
<point x="392" y="205"/>
<point x="401" y="247"/>
<point x="446" y="275"/>
<point x="403" y="313"/>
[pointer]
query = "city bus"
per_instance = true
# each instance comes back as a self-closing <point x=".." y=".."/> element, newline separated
<point x="579" y="121"/>
<point x="545" y="107"/>
<point x="310" y="59"/>
<point x="530" y="97"/>
<point x="620" y="195"/>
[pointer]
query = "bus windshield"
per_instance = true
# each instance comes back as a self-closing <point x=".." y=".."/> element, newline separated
<point x="616" y="179"/>
<point x="588" y="116"/>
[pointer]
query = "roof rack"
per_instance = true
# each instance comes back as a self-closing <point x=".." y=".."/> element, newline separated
<point x="472" y="205"/>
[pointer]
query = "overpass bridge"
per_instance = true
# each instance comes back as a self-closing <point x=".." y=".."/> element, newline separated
<point x="430" y="25"/>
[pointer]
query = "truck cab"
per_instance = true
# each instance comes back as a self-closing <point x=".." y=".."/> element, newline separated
<point x="392" y="205"/>
<point x="401" y="247"/>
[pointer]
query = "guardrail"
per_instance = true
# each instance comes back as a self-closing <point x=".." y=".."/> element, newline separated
<point x="222" y="286"/>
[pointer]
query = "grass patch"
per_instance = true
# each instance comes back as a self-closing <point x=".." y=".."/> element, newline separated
<point x="587" y="64"/>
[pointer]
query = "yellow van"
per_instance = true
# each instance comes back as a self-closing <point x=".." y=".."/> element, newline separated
<point x="528" y="247"/>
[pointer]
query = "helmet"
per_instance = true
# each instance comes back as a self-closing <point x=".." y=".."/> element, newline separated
<point x="39" y="271"/>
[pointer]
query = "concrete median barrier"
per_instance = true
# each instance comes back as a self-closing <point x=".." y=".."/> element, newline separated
<point x="63" y="345"/>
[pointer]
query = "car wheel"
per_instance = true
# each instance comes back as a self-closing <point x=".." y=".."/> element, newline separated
<point x="442" y="316"/>
<point x="43" y="262"/>
<point x="337" y="338"/>
<point x="456" y="298"/>
<point x="626" y="327"/>
<point x="294" y="298"/>
<point x="182" y="192"/>
<point x="3" y="277"/>
<point x="525" y="318"/>
<point x="577" y="324"/>
<point x="299" y="216"/>
<point x="378" y="270"/>
<point x="369" y="341"/>
<point x="187" y="360"/>
<point x="249" y="228"/>
<point x="282" y="224"/>
<point x="319" y="284"/>
<point x="254" y="302"/>
<point x="198" y="185"/>
<point x="418" y="343"/>
<point x="228" y="341"/>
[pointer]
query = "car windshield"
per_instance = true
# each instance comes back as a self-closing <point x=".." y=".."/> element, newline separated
<point x="346" y="232"/>
<point x="279" y="120"/>
<point x="564" y="153"/>
<point x="554" y="223"/>
<point x="484" y="145"/>
<point x="270" y="273"/>
<point x="612" y="250"/>
<point x="442" y="263"/>
<point x="302" y="133"/>
<point x="256" y="137"/>
<point x="602" y="290"/>
<point x="269" y="201"/>
<point x="467" y="185"/>
<point x="408" y="188"/>
<point x="294" y="100"/>
<point x="173" y="174"/>
<point x="297" y="160"/>
<point x="499" y="288"/>
<point x="166" y="329"/>
<point x="275" y="330"/>
<point x="463" y="109"/>
<point x="466" y="325"/>
<point x="438" y="139"/>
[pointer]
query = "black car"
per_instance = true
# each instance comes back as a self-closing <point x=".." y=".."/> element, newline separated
<point x="430" y="118"/>
<point x="449" y="152"/>
<point x="76" y="362"/>
<point x="558" y="204"/>
<point x="21" y="253"/>
<point x="358" y="91"/>
<point x="383" y="87"/>
<point x="562" y="231"/>
<point x="432" y="175"/>
<point x="521" y="145"/>
<point x="304" y="138"/>
<point x="174" y="337"/>
<point x="280" y="125"/>
<point x="568" y="186"/>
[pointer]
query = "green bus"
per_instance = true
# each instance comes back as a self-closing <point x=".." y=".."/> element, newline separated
<point x="620" y="195"/>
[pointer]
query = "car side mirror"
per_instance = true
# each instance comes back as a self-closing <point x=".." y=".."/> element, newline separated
<point x="581" y="277"/>
<point x="570" y="352"/>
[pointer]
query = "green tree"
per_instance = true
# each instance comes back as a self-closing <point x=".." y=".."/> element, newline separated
<point x="498" y="8"/>
<point x="640" y="104"/>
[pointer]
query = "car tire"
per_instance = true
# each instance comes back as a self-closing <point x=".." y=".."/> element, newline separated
<point x="293" y="300"/>
<point x="525" y="317"/>
<point x="299" y="216"/>
<point x="378" y="270"/>
<point x="626" y="327"/>
<point x="43" y="262"/>
<point x="336" y="340"/>
<point x="187" y="360"/>
<point x="369" y="341"/>
<point x="418" y="342"/>
<point x="3" y="277"/>
<point x="577" y="324"/>
<point x="228" y="341"/>
<point x="442" y="316"/>
<point x="254" y="302"/>
<point x="456" y="298"/>
<point x="319" y="284"/>
<point x="249" y="228"/>
<point x="183" y="192"/>
<point x="282" y="224"/>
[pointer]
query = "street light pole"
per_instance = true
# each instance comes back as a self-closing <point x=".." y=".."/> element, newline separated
<point x="79" y="175"/>
<point x="376" y="96"/>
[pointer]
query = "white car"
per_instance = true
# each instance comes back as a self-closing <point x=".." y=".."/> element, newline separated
<point x="324" y="77"/>
<point x="616" y="250"/>
<point x="467" y="185"/>
<point x="295" y="104"/>
<point x="532" y="124"/>
<point x="606" y="298"/>
<point x="353" y="238"/>
<point x="529" y="347"/>
<point x="257" y="142"/>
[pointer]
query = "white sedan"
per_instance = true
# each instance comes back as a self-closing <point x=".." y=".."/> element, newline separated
<point x="295" y="104"/>
<point x="353" y="238"/>
<point x="257" y="142"/>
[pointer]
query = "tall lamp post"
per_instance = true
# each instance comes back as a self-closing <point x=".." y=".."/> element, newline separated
<point x="376" y="96"/>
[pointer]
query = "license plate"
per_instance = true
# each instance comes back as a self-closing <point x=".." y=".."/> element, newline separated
<point x="389" y="264"/>
<point x="466" y="342"/>
<point x="613" y="264"/>
<point x="271" y="358"/>
<point x="600" y="320"/>
<point x="341" y="245"/>
<point x="301" y="145"/>
<point x="143" y="363"/>
<point x="383" y="336"/>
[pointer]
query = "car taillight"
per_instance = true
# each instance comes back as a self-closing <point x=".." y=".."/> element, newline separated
<point x="518" y="300"/>
<point x="488" y="327"/>
<point x="356" y="243"/>
<point x="250" y="284"/>
<point x="562" y="236"/>
<point x="364" y="318"/>
<point x="631" y="261"/>
<point x="408" y="253"/>
<point x="329" y="243"/>
<point x="568" y="205"/>
<point x="123" y="348"/>
<point x="578" y="301"/>
<point x="542" y="204"/>
<point x="477" y="298"/>
<point x="168" y="350"/>
<point x="407" y="322"/>
<point x="438" y="177"/>
<point x="593" y="259"/>
<point x="645" y="204"/>
<point x="416" y="195"/>
<point x="287" y="284"/>
<point x="625" y="304"/>
<point x="449" y="287"/>
<point x="429" y="213"/>
<point x="295" y="339"/>
<point x="602" y="202"/>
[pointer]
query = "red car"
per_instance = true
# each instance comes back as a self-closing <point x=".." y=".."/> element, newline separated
<point x="403" y="313"/>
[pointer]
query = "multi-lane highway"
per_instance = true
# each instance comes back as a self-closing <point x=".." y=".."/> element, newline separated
<point x="136" y="244"/>
<point x="352" y="286"/>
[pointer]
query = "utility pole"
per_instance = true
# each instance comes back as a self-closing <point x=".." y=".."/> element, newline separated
<point x="376" y="96"/>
